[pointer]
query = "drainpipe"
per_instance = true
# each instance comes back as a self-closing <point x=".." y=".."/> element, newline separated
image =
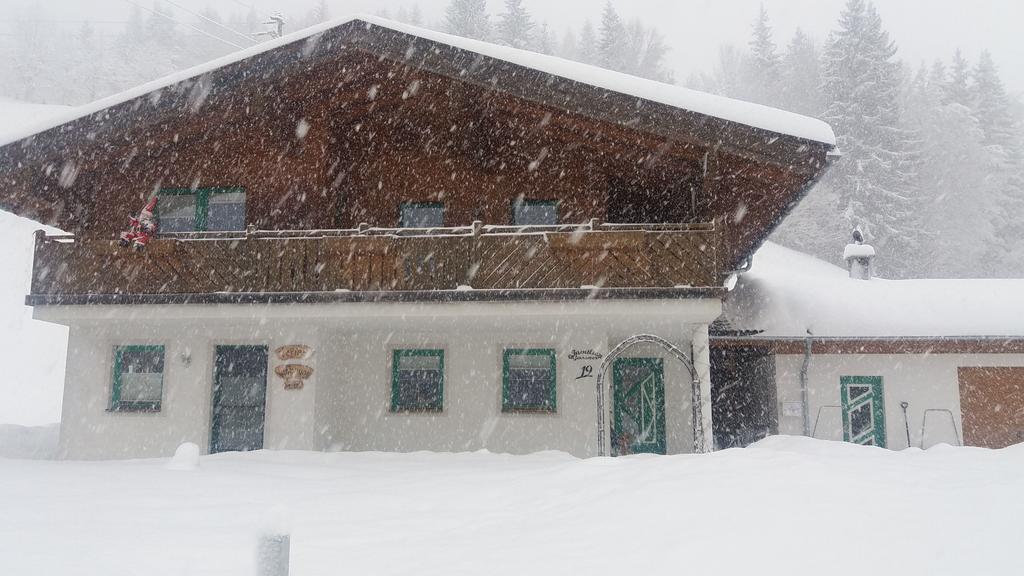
<point x="804" y="400"/>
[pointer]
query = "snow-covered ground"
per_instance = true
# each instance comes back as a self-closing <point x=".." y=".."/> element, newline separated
<point x="788" y="506"/>
<point x="31" y="352"/>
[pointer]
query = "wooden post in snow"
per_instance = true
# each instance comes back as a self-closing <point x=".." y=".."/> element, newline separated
<point x="272" y="556"/>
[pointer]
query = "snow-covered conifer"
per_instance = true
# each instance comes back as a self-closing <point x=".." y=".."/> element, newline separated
<point x="515" y="26"/>
<point x="875" y="179"/>
<point x="468" y="18"/>
<point x="613" y="44"/>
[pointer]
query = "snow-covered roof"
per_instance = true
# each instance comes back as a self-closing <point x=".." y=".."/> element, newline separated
<point x="754" y="115"/>
<point x="786" y="293"/>
<point x="17" y="118"/>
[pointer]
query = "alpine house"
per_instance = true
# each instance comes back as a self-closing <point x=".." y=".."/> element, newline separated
<point x="376" y="237"/>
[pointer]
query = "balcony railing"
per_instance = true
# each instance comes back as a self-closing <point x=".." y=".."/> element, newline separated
<point x="482" y="259"/>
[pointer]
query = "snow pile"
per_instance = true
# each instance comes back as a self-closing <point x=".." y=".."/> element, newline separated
<point x="186" y="457"/>
<point x="33" y="442"/>
<point x="756" y="115"/>
<point x="787" y="506"/>
<point x="786" y="293"/>
<point x="858" y="251"/>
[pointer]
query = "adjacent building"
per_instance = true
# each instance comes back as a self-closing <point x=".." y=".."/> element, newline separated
<point x="807" y="348"/>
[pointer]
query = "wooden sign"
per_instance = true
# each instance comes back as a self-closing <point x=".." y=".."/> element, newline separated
<point x="294" y="375"/>
<point x="293" y="352"/>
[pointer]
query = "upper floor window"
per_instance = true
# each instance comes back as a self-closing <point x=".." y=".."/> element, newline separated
<point x="535" y="213"/>
<point x="421" y="215"/>
<point x="201" y="210"/>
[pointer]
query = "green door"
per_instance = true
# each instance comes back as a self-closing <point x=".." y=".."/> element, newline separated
<point x="639" y="396"/>
<point x="239" y="398"/>
<point x="863" y="410"/>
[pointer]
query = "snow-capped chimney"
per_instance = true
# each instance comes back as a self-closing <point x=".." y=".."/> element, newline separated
<point x="859" y="257"/>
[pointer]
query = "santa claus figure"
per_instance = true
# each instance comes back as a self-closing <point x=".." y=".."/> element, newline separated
<point x="142" y="227"/>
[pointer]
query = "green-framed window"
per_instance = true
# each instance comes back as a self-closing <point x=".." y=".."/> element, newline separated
<point x="863" y="400"/>
<point x="421" y="215"/>
<point x="417" y="381"/>
<point x="201" y="209"/>
<point x="529" y="380"/>
<point x="138" y="379"/>
<point x="534" y="212"/>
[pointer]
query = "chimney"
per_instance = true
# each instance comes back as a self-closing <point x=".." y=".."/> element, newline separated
<point x="859" y="257"/>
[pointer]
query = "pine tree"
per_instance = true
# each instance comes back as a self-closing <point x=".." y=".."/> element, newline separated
<point x="800" y="89"/>
<point x="875" y="179"/>
<point x="416" y="16"/>
<point x="953" y="180"/>
<point x="613" y="44"/>
<point x="515" y="27"/>
<point x="587" y="50"/>
<point x="958" y="87"/>
<point x="544" y="41"/>
<point x="646" y="53"/>
<point x="1001" y="136"/>
<point x="569" y="46"/>
<point x="322" y="13"/>
<point x="992" y="107"/>
<point x="468" y="18"/>
<point x="764" y="62"/>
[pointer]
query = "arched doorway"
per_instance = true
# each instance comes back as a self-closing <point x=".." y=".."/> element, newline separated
<point x="644" y="379"/>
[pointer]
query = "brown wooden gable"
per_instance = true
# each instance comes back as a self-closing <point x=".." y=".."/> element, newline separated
<point x="339" y="128"/>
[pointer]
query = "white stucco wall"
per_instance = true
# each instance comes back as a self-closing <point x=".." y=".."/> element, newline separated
<point x="925" y="381"/>
<point x="345" y="405"/>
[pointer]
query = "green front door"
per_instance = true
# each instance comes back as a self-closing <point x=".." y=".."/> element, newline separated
<point x="863" y="410"/>
<point x="639" y="396"/>
<point x="239" y="398"/>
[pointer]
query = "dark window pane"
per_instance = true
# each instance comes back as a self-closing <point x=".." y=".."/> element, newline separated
<point x="149" y="360"/>
<point x="855" y="392"/>
<point x="529" y="213"/>
<point x="419" y="381"/>
<point x="176" y="212"/>
<point x="530" y="381"/>
<point x="422" y="216"/>
<point x="140" y="382"/>
<point x="225" y="212"/>
<point x="860" y="420"/>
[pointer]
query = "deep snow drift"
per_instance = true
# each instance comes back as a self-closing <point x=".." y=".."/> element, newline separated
<point x="785" y="506"/>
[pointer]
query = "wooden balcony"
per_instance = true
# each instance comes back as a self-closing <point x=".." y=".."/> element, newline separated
<point x="469" y="263"/>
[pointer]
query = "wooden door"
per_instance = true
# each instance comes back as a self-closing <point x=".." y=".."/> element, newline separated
<point x="639" y="394"/>
<point x="992" y="406"/>
<point x="239" y="398"/>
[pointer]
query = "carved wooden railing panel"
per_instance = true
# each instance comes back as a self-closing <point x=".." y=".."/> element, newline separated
<point x="482" y="258"/>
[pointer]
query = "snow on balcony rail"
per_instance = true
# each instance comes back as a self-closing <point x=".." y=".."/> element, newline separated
<point x="440" y="232"/>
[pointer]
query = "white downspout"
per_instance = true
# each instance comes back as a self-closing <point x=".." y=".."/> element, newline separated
<point x="804" y="395"/>
<point x="701" y="343"/>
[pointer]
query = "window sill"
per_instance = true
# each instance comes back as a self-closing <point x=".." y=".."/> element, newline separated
<point x="416" y="411"/>
<point x="127" y="410"/>
<point x="528" y="410"/>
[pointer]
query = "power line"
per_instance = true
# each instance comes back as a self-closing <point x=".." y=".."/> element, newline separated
<point x="201" y="31"/>
<point x="244" y="4"/>
<point x="211" y="21"/>
<point x="47" y="21"/>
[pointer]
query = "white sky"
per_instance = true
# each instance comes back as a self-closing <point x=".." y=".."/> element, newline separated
<point x="923" y="29"/>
